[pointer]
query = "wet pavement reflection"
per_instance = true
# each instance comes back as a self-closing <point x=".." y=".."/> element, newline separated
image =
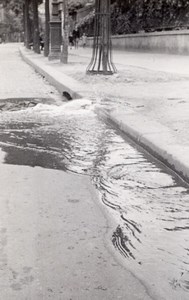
<point x="149" y="204"/>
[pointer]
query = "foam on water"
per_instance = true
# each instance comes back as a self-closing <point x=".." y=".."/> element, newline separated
<point x="73" y="107"/>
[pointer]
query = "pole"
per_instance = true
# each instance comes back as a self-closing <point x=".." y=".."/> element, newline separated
<point x="55" y="32"/>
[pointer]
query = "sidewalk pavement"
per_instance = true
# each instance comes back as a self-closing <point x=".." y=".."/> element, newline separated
<point x="148" y="98"/>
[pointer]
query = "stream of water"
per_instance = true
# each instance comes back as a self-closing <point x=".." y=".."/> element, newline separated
<point x="149" y="204"/>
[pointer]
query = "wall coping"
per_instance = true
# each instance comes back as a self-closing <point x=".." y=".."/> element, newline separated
<point x="147" y="34"/>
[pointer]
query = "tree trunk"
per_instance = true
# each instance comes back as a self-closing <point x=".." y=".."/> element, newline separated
<point x="24" y="23"/>
<point x="105" y="34"/>
<point x="101" y="62"/>
<point x="36" y="41"/>
<point x="47" y="28"/>
<point x="65" y="33"/>
<point x="27" y="31"/>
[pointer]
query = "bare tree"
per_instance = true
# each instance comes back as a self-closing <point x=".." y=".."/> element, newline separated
<point x="47" y="28"/>
<point x="27" y="24"/>
<point x="36" y="41"/>
<point x="105" y="32"/>
<point x="65" y="33"/>
<point x="101" y="62"/>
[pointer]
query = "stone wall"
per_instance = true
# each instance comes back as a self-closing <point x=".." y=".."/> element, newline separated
<point x="176" y="42"/>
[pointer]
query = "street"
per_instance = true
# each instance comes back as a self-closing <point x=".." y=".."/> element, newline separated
<point x="85" y="213"/>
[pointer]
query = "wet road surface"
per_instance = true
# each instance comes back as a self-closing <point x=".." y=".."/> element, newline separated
<point x="149" y="203"/>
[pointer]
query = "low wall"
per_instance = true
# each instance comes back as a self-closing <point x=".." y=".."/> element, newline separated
<point x="176" y="42"/>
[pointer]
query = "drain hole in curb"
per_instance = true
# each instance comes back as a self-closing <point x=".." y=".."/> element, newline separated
<point x="67" y="95"/>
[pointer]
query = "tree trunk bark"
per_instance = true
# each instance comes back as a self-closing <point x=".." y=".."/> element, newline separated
<point x="27" y="31"/>
<point x="36" y="41"/>
<point x="105" y="35"/>
<point x="47" y="28"/>
<point x="65" y="33"/>
<point x="24" y="23"/>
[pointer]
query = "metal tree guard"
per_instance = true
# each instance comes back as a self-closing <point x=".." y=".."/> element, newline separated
<point x="101" y="62"/>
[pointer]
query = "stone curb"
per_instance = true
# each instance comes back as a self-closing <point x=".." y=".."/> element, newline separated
<point x="157" y="139"/>
<point x="62" y="82"/>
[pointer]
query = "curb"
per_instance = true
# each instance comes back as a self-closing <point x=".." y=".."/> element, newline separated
<point x="63" y="83"/>
<point x="155" y="138"/>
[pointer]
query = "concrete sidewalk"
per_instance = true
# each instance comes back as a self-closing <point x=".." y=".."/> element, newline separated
<point x="147" y="98"/>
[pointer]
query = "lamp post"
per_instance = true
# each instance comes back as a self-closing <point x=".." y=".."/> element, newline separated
<point x="55" y="32"/>
<point x="101" y="62"/>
